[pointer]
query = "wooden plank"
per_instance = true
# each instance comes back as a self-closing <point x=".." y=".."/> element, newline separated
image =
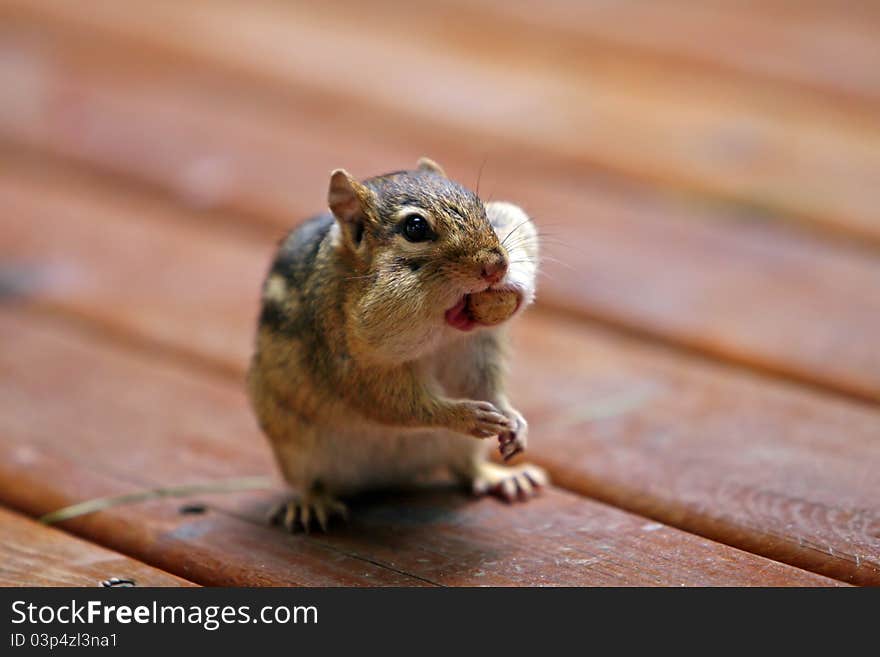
<point x="772" y="469"/>
<point x="662" y="267"/>
<point x="762" y="146"/>
<point x="687" y="274"/>
<point x="216" y="548"/>
<point x="201" y="284"/>
<point x="213" y="549"/>
<point x="822" y="47"/>
<point x="758" y="295"/>
<point x="111" y="266"/>
<point x="32" y="554"/>
<point x="157" y="423"/>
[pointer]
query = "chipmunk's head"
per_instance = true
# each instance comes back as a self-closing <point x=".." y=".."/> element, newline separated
<point x="418" y="245"/>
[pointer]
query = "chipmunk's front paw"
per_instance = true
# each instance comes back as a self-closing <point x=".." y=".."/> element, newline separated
<point x="299" y="513"/>
<point x="509" y="483"/>
<point x="514" y="441"/>
<point x="480" y="419"/>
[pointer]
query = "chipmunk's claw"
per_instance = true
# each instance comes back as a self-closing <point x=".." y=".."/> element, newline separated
<point x="513" y="442"/>
<point x="509" y="483"/>
<point x="297" y="514"/>
<point x="509" y="445"/>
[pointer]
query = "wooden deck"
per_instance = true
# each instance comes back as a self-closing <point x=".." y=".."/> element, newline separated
<point x="701" y="373"/>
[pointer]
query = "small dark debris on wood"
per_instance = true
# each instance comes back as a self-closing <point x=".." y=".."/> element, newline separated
<point x="193" y="509"/>
<point x="118" y="583"/>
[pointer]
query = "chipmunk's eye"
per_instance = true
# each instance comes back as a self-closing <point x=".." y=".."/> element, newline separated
<point x="416" y="228"/>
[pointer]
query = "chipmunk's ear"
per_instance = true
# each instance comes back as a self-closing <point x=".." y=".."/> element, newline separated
<point x="348" y="201"/>
<point x="427" y="164"/>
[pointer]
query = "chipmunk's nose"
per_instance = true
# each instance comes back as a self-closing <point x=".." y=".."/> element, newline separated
<point x="494" y="268"/>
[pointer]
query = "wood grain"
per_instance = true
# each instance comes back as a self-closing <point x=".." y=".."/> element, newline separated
<point x="790" y="432"/>
<point x="759" y="145"/>
<point x="772" y="469"/>
<point x="823" y="47"/>
<point x="131" y="267"/>
<point x="214" y="549"/>
<point x="32" y="554"/>
<point x="631" y="258"/>
<point x="107" y="424"/>
<point x="122" y="366"/>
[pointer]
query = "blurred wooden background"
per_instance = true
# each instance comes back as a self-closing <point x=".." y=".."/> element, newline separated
<point x="702" y="371"/>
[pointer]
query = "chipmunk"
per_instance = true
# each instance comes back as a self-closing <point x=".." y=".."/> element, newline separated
<point x="368" y="370"/>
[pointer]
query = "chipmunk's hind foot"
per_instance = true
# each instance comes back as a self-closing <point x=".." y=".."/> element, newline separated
<point x="510" y="483"/>
<point x="299" y="513"/>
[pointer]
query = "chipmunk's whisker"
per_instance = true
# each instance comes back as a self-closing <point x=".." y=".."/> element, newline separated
<point x="518" y="226"/>
<point x="480" y="174"/>
<point x="522" y="241"/>
<point x="563" y="263"/>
